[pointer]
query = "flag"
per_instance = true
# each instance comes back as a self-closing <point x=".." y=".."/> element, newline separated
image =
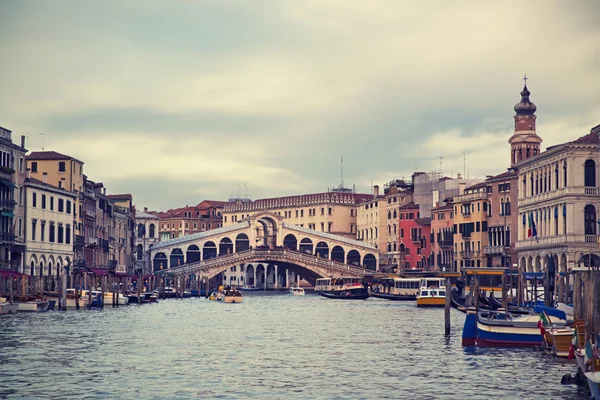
<point x="543" y="322"/>
<point x="574" y="343"/>
<point x="142" y="230"/>
<point x="532" y="231"/>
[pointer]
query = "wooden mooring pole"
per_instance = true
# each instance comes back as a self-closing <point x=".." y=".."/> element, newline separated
<point x="447" y="307"/>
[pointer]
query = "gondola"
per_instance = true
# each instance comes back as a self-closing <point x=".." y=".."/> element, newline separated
<point x="345" y="294"/>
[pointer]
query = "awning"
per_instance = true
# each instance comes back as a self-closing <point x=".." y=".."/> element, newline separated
<point x="8" y="273"/>
<point x="98" y="271"/>
<point x="7" y="214"/>
<point x="8" y="183"/>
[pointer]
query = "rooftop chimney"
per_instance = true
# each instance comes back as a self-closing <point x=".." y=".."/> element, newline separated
<point x="23" y="141"/>
<point x="28" y="173"/>
<point x="461" y="188"/>
<point x="458" y="176"/>
<point x="145" y="209"/>
<point x="376" y="190"/>
<point x="45" y="177"/>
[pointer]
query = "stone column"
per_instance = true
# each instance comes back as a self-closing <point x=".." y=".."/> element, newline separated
<point x="276" y="277"/>
<point x="287" y="278"/>
<point x="265" y="281"/>
<point x="254" y="281"/>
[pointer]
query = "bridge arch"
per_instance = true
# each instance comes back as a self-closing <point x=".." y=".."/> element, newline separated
<point x="269" y="231"/>
<point x="160" y="261"/>
<point x="338" y="254"/>
<point x="209" y="250"/>
<point x="225" y="246"/>
<point x="322" y="250"/>
<point x="290" y="242"/>
<point x="306" y="246"/>
<point x="353" y="257"/>
<point x="192" y="254"/>
<point x="176" y="257"/>
<point x="242" y="242"/>
<point x="370" y="262"/>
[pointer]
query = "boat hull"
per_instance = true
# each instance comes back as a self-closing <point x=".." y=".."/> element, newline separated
<point x="559" y="340"/>
<point x="593" y="379"/>
<point x="431" y="301"/>
<point x="33" y="306"/>
<point x="489" y="335"/>
<point x="8" y="308"/>
<point x="395" y="297"/>
<point x="232" y="299"/>
<point x="345" y="296"/>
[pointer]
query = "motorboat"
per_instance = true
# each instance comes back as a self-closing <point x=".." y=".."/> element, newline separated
<point x="7" y="307"/>
<point x="432" y="293"/>
<point x="246" y="288"/>
<point x="345" y="289"/>
<point x="397" y="289"/>
<point x="297" y="291"/>
<point x="232" y="296"/>
<point x="33" y="306"/>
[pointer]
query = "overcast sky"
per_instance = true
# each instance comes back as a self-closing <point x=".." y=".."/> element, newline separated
<point x="179" y="101"/>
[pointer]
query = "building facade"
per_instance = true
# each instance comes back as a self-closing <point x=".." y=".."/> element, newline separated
<point x="124" y="227"/>
<point x="442" y="236"/>
<point x="558" y="203"/>
<point x="49" y="215"/>
<point x="414" y="234"/>
<point x="371" y="220"/>
<point x="188" y="220"/>
<point x="146" y="235"/>
<point x="471" y="210"/>
<point x="12" y="209"/>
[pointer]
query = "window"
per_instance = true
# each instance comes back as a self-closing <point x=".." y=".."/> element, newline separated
<point x="61" y="166"/>
<point x="51" y="233"/>
<point x="33" y="225"/>
<point x="589" y="216"/>
<point x="565" y="173"/>
<point x="61" y="233"/>
<point x="68" y="206"/>
<point x="51" y="203"/>
<point x="43" y="201"/>
<point x="61" y="205"/>
<point x="34" y="166"/>
<point x="43" y="231"/>
<point x="590" y="173"/>
<point x="34" y="199"/>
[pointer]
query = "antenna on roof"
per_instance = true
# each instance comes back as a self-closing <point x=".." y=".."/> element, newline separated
<point x="43" y="141"/>
<point x="342" y="173"/>
<point x="440" y="157"/>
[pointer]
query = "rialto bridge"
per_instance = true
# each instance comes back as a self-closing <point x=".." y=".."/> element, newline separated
<point x="265" y="248"/>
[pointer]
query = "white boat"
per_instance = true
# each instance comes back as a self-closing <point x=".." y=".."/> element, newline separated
<point x="297" y="291"/>
<point x="7" y="307"/>
<point x="432" y="293"/>
<point x="33" y="306"/>
<point x="108" y="297"/>
<point x="593" y="379"/>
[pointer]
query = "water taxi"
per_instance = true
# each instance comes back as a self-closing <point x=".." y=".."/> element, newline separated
<point x="344" y="288"/>
<point x="232" y="296"/>
<point x="297" y="291"/>
<point x="397" y="289"/>
<point x="432" y="293"/>
<point x="7" y="307"/>
<point x="33" y="306"/>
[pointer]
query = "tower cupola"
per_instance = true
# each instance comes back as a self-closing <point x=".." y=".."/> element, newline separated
<point x="525" y="142"/>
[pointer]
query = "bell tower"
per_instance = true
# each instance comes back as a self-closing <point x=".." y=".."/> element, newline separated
<point x="525" y="142"/>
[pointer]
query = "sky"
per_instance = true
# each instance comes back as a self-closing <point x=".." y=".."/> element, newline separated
<point x="179" y="101"/>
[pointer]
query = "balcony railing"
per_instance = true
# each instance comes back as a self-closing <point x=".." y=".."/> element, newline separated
<point x="79" y="241"/>
<point x="493" y="250"/>
<point x="91" y="241"/>
<point x="7" y="204"/>
<point x="7" y="237"/>
<point x="470" y="197"/>
<point x="469" y="254"/>
<point x="579" y="190"/>
<point x="555" y="241"/>
<point x="466" y="235"/>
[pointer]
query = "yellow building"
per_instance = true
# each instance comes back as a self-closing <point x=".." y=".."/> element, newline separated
<point x="471" y="210"/>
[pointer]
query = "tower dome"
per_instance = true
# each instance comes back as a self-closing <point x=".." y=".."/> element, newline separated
<point x="525" y="106"/>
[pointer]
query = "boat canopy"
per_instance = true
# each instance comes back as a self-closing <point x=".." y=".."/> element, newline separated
<point x="553" y="312"/>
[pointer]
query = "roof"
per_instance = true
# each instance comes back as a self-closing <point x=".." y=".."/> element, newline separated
<point x="49" y="186"/>
<point x="120" y="196"/>
<point x="410" y="206"/>
<point x="424" y="221"/>
<point x="591" y="138"/>
<point x="49" y="155"/>
<point x="143" y="214"/>
<point x="477" y="186"/>
<point x="442" y="208"/>
<point x="503" y="176"/>
<point x="215" y="203"/>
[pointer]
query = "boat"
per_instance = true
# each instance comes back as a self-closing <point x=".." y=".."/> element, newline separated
<point x="502" y="329"/>
<point x="297" y="291"/>
<point x="345" y="288"/>
<point x="232" y="296"/>
<point x="593" y="379"/>
<point x="32" y="306"/>
<point x="7" y="307"/>
<point x="397" y="289"/>
<point x="108" y="298"/>
<point x="246" y="288"/>
<point x="432" y="293"/>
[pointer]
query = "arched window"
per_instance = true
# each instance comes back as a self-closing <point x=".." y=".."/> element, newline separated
<point x="389" y="247"/>
<point x="590" y="173"/>
<point x="565" y="173"/>
<point x="556" y="176"/>
<point x="507" y="208"/>
<point x="151" y="230"/>
<point x="389" y="215"/>
<point x="140" y="229"/>
<point x="395" y="214"/>
<point x="589" y="216"/>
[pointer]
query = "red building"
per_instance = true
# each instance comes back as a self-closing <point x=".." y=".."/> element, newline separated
<point x="414" y="231"/>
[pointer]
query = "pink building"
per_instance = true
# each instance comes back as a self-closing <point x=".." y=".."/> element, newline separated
<point x="414" y="233"/>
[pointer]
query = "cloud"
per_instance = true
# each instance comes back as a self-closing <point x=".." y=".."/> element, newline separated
<point x="199" y="97"/>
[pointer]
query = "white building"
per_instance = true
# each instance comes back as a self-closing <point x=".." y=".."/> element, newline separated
<point x="49" y="216"/>
<point x="146" y="234"/>
<point x="559" y="196"/>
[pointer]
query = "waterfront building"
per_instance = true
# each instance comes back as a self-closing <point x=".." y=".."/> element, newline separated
<point x="187" y="220"/>
<point x="86" y="241"/>
<point x="414" y="234"/>
<point x="502" y="221"/>
<point x="558" y="203"/>
<point x="49" y="216"/>
<point x="431" y="188"/>
<point x="397" y="194"/>
<point x="12" y="209"/>
<point x="371" y="220"/>
<point x="333" y="212"/>
<point x="442" y="236"/>
<point x="146" y="235"/>
<point x="471" y="209"/>
<point x="124" y="226"/>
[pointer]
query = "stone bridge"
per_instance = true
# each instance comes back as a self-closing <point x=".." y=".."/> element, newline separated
<point x="264" y="238"/>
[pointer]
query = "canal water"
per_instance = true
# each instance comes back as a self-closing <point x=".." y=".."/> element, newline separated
<point x="270" y="347"/>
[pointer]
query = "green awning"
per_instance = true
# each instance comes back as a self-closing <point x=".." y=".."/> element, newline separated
<point x="7" y="183"/>
<point x="7" y="214"/>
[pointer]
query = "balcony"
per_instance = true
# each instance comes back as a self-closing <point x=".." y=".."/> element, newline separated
<point x="491" y="250"/>
<point x="555" y="194"/>
<point x="469" y="254"/>
<point x="7" y="237"/>
<point x="466" y="235"/>
<point x="6" y="173"/>
<point x="556" y="241"/>
<point x="415" y="239"/>
<point x="7" y="204"/>
<point x="470" y="197"/>
<point x="91" y="241"/>
<point x="79" y="241"/>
